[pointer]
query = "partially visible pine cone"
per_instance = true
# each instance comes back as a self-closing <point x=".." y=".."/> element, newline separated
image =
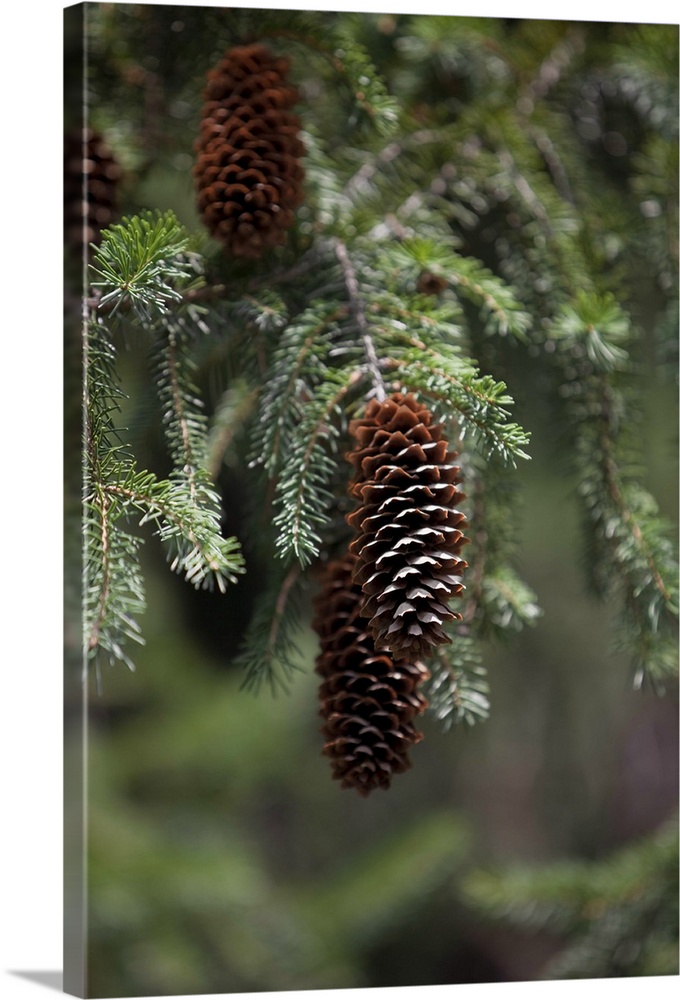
<point x="431" y="284"/>
<point x="87" y="156"/>
<point x="248" y="171"/>
<point x="368" y="701"/>
<point x="409" y="532"/>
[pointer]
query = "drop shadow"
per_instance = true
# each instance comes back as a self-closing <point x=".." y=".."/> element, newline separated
<point x="50" y="980"/>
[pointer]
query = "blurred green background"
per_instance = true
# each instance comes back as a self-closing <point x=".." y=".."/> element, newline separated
<point x="222" y="858"/>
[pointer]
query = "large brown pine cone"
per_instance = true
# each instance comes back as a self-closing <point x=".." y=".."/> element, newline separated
<point x="92" y="177"/>
<point x="409" y="532"/>
<point x="368" y="700"/>
<point x="248" y="171"/>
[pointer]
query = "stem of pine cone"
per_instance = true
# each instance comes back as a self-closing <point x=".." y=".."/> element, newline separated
<point x="357" y="308"/>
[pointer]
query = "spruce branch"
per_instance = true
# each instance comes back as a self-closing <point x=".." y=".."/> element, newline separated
<point x="184" y="422"/>
<point x="509" y="604"/>
<point x="187" y="518"/>
<point x="632" y="539"/>
<point x="499" y="309"/>
<point x="299" y="362"/>
<point x="458" y="689"/>
<point x="375" y="109"/>
<point x="370" y="176"/>
<point x="555" y="65"/>
<point x="138" y="264"/>
<point x="302" y="496"/>
<point x="231" y="414"/>
<point x="632" y="553"/>
<point x="480" y="402"/>
<point x="498" y="197"/>
<point x="497" y="600"/>
<point x="270" y="654"/>
<point x="617" y="914"/>
<point x="526" y="192"/>
<point x="359" y="315"/>
<point x="112" y="586"/>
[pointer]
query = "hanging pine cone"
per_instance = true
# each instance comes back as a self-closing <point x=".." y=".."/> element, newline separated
<point x="248" y="171"/>
<point x="88" y="157"/>
<point x="409" y="532"/>
<point x="368" y="700"/>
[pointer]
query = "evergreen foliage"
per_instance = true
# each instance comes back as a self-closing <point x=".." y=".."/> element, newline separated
<point x="489" y="223"/>
<point x="496" y="196"/>
<point x="629" y="544"/>
<point x="141" y="267"/>
<point x="615" y="917"/>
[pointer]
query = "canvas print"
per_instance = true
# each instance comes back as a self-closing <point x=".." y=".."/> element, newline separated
<point x="370" y="499"/>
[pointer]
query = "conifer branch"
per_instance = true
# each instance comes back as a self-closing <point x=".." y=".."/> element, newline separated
<point x="289" y="582"/>
<point x="553" y="160"/>
<point x="299" y="362"/>
<point x="458" y="690"/>
<point x="177" y="401"/>
<point x="197" y="548"/>
<point x="631" y="554"/>
<point x="302" y="495"/>
<point x="113" y="590"/>
<point x="617" y="913"/>
<point x="234" y="409"/>
<point x="479" y="401"/>
<point x="556" y="63"/>
<point x="95" y="629"/>
<point x="397" y="192"/>
<point x="359" y="315"/>
<point x="361" y="183"/>
<point x="527" y="192"/>
<point x="270" y="654"/>
<point x="139" y="263"/>
<point x="612" y="480"/>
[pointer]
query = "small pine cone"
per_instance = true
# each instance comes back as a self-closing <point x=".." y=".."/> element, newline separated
<point x="431" y="284"/>
<point x="409" y="532"/>
<point x="368" y="700"/>
<point x="87" y="157"/>
<point x="248" y="172"/>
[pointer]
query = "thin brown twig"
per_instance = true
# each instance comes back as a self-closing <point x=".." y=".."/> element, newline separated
<point x="280" y="606"/>
<point x="357" y="307"/>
